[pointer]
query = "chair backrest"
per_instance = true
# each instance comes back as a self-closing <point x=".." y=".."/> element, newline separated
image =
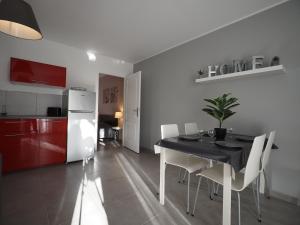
<point x="168" y="131"/>
<point x="266" y="154"/>
<point x="191" y="128"/>
<point x="253" y="163"/>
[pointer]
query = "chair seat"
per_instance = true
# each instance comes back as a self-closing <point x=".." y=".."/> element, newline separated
<point x="215" y="174"/>
<point x="190" y="163"/>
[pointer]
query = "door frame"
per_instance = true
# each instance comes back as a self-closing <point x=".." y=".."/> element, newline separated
<point x="98" y="100"/>
<point x="124" y="102"/>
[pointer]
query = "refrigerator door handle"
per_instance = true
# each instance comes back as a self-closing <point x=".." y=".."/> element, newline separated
<point x="80" y="111"/>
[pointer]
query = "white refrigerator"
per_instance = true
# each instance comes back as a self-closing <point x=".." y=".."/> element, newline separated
<point x="80" y="106"/>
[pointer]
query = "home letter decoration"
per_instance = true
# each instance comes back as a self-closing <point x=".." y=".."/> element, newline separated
<point x="257" y="61"/>
<point x="211" y="72"/>
<point x="275" y="61"/>
<point x="223" y="69"/>
<point x="235" y="67"/>
<point x="237" y="64"/>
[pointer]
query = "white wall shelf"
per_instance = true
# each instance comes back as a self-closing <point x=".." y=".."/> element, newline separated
<point x="271" y="70"/>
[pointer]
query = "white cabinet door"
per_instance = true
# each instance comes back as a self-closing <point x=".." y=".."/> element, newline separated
<point x="132" y="111"/>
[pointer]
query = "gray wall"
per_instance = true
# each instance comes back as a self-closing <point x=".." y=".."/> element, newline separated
<point x="169" y="94"/>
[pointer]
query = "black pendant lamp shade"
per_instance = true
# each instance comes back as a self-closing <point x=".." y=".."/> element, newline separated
<point x="17" y="19"/>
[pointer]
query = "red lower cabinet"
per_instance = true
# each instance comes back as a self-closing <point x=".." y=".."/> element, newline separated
<point x="45" y="143"/>
<point x="53" y="141"/>
<point x="19" y="150"/>
<point x="25" y="151"/>
<point x="10" y="148"/>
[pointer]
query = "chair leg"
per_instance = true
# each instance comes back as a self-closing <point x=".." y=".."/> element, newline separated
<point x="209" y="189"/>
<point x="179" y="176"/>
<point x="239" y="208"/>
<point x="267" y="185"/>
<point x="196" y="197"/>
<point x="254" y="195"/>
<point x="188" y="195"/>
<point x="216" y="190"/>
<point x="183" y="180"/>
<point x="258" y="198"/>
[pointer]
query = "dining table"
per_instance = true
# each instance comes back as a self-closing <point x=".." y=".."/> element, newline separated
<point x="233" y="152"/>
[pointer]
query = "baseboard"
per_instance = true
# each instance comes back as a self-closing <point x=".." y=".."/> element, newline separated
<point x="286" y="198"/>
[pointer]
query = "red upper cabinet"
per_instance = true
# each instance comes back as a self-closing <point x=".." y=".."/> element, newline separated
<point x="39" y="73"/>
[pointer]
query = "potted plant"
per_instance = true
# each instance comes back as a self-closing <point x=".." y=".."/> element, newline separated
<point x="220" y="109"/>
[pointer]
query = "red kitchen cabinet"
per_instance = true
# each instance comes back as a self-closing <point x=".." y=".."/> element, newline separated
<point x="8" y="149"/>
<point x="19" y="144"/>
<point x="21" y="152"/>
<point x="53" y="141"/>
<point x="18" y="125"/>
<point x="37" y="73"/>
<point x="31" y="143"/>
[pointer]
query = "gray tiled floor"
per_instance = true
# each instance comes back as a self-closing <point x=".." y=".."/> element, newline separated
<point x="119" y="187"/>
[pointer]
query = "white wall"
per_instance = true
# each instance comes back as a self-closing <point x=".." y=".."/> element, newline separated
<point x="80" y="71"/>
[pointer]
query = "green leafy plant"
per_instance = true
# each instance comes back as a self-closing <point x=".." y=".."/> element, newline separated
<point x="220" y="107"/>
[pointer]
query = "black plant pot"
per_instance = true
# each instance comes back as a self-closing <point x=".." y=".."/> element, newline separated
<point x="220" y="133"/>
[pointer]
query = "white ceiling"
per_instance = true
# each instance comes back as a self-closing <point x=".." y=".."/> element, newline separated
<point x="133" y="30"/>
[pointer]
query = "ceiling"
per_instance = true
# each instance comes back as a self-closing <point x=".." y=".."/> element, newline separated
<point x="133" y="30"/>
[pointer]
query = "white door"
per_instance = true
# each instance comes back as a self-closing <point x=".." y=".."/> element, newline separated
<point x="132" y="111"/>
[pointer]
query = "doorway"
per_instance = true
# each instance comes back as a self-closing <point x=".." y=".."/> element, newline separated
<point x="110" y="110"/>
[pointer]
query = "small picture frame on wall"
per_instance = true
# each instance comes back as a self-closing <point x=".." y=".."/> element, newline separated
<point x="106" y="95"/>
<point x="114" y="91"/>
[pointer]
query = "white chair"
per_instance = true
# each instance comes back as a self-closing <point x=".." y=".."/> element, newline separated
<point x="242" y="180"/>
<point x="191" y="128"/>
<point x="264" y="162"/>
<point x="182" y="160"/>
<point x="265" y="159"/>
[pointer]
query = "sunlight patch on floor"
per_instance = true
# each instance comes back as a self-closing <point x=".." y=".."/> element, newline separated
<point x="147" y="199"/>
<point x="156" y="187"/>
<point x="89" y="209"/>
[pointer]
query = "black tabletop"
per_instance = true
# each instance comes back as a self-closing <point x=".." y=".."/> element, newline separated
<point x="207" y="148"/>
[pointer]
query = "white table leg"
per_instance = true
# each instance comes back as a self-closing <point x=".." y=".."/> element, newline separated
<point x="162" y="177"/>
<point x="227" y="195"/>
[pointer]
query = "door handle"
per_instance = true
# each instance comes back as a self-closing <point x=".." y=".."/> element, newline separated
<point x="19" y="121"/>
<point x="39" y="82"/>
<point x="14" y="135"/>
<point x="137" y="111"/>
